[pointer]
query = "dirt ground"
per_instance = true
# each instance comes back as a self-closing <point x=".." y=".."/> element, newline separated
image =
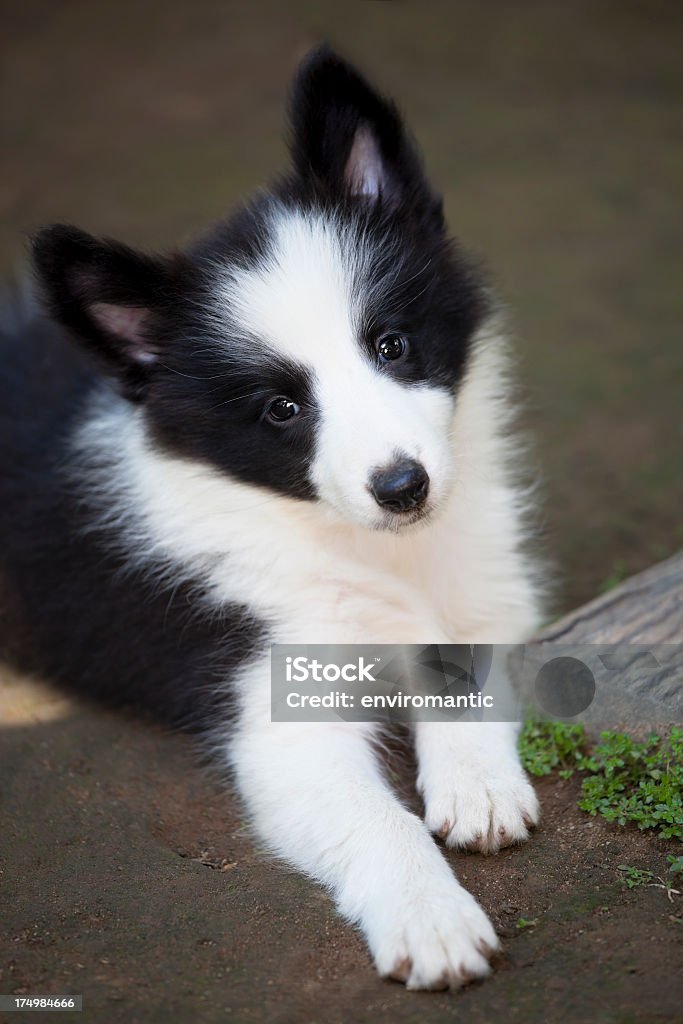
<point x="554" y="132"/>
<point x="130" y="878"/>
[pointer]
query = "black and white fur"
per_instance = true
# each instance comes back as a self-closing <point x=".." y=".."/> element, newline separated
<point x="165" y="516"/>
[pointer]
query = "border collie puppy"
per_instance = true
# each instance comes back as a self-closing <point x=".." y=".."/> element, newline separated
<point x="293" y="431"/>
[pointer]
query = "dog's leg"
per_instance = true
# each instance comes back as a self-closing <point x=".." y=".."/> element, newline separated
<point x="317" y="796"/>
<point x="475" y="792"/>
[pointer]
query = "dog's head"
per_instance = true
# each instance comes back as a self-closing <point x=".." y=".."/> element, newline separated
<point x="314" y="343"/>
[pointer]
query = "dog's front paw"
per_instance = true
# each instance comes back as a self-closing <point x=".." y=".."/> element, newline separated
<point x="436" y="938"/>
<point x="481" y="810"/>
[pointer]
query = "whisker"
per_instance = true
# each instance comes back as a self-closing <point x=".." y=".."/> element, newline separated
<point x="239" y="398"/>
<point x="414" y="298"/>
<point x="191" y="376"/>
<point x="404" y="284"/>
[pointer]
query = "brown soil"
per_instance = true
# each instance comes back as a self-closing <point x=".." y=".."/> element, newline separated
<point x="130" y="878"/>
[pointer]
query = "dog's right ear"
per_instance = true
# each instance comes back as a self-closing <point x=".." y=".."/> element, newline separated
<point x="111" y="296"/>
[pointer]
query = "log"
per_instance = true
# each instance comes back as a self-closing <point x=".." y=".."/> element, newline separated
<point x="631" y="640"/>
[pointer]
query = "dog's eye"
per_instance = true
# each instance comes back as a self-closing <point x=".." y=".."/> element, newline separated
<point x="391" y="347"/>
<point x="282" y="409"/>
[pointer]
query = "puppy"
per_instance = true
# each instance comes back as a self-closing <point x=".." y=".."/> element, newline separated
<point x="293" y="431"/>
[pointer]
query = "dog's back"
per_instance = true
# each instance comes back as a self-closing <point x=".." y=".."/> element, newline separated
<point x="43" y="380"/>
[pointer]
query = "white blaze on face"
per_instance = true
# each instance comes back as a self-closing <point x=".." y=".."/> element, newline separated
<point x="304" y="301"/>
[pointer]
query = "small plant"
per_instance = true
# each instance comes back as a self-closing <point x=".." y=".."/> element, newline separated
<point x="618" y="575"/>
<point x="527" y="922"/>
<point x="624" y="780"/>
<point x="675" y="864"/>
<point x="545" y="746"/>
<point x="636" y="782"/>
<point x="633" y="877"/>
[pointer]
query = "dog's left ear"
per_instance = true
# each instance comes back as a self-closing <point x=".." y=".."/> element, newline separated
<point x="351" y="140"/>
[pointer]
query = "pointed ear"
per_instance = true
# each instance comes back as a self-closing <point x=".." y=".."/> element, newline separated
<point x="110" y="295"/>
<point x="350" y="139"/>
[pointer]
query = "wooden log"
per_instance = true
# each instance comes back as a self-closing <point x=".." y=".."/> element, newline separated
<point x="647" y="608"/>
<point x="631" y="640"/>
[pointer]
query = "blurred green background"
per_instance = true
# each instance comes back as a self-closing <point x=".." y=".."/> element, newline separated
<point x="553" y="129"/>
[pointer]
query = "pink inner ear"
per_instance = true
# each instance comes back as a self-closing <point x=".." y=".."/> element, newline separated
<point x="364" y="172"/>
<point x="127" y="323"/>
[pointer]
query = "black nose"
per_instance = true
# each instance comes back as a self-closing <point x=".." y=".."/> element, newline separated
<point x="401" y="486"/>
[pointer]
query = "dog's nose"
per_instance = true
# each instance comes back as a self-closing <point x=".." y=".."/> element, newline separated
<point x="402" y="486"/>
